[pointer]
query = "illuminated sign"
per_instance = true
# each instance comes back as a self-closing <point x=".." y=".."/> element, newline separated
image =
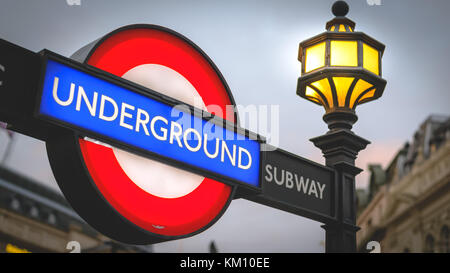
<point x="130" y="161"/>
<point x="98" y="107"/>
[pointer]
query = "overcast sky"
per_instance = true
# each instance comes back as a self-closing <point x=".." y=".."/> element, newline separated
<point x="254" y="44"/>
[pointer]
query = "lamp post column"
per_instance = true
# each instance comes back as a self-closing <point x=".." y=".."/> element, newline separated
<point x="341" y="69"/>
<point x="340" y="147"/>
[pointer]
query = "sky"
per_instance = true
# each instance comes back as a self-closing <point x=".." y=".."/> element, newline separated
<point x="255" y="45"/>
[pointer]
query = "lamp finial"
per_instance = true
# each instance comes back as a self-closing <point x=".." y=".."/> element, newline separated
<point x="340" y="8"/>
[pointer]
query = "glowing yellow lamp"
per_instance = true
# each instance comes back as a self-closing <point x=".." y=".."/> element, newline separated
<point x="341" y="68"/>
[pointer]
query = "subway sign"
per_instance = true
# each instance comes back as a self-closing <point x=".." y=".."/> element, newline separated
<point x="119" y="115"/>
<point x="131" y="154"/>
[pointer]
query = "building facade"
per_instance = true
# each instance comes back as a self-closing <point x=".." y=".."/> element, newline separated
<point x="34" y="218"/>
<point x="406" y="207"/>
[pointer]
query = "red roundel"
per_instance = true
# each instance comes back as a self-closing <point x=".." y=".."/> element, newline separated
<point x="134" y="194"/>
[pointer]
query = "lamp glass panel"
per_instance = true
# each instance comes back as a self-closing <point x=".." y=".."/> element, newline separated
<point x="368" y="95"/>
<point x="324" y="86"/>
<point x="360" y="87"/>
<point x="332" y="28"/>
<point x="313" y="95"/>
<point x="342" y="85"/>
<point x="341" y="28"/>
<point x="344" y="53"/>
<point x="315" y="57"/>
<point x="370" y="59"/>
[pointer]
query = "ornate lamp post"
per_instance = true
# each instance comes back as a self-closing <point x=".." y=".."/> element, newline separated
<point x="341" y="69"/>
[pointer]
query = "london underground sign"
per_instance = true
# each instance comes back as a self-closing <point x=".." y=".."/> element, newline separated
<point x="162" y="213"/>
<point x="108" y="111"/>
<point x="130" y="153"/>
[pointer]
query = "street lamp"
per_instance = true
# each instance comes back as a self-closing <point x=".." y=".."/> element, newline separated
<point x="341" y="69"/>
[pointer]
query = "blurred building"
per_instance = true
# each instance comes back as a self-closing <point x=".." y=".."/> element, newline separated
<point x="406" y="207"/>
<point x="34" y="218"/>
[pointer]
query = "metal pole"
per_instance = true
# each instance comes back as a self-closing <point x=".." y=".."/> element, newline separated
<point x="340" y="147"/>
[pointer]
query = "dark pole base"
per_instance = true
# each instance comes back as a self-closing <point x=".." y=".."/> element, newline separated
<point x="340" y="238"/>
<point x="340" y="147"/>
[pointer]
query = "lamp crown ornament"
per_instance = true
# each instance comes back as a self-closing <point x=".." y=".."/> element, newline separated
<point x="340" y="8"/>
<point x="341" y="69"/>
<point x="340" y="23"/>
